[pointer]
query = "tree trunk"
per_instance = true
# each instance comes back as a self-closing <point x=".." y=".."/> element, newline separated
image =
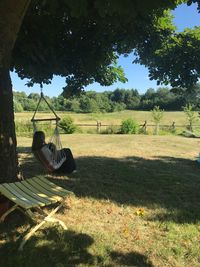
<point x="8" y="157"/>
<point x="11" y="16"/>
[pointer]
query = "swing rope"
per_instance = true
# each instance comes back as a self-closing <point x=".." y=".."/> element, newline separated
<point x="49" y="106"/>
<point x="55" y="143"/>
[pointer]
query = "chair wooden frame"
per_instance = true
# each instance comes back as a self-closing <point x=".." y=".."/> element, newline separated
<point x="31" y="195"/>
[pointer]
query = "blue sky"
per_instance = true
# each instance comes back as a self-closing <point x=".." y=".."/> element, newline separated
<point x="184" y="17"/>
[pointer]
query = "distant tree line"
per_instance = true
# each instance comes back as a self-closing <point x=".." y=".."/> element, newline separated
<point x="117" y="100"/>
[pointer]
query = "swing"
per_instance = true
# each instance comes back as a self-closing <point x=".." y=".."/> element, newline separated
<point x="52" y="156"/>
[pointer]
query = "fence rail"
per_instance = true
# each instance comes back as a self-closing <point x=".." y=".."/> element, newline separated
<point x="143" y="126"/>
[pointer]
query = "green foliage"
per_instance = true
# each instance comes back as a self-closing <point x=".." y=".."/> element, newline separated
<point x="172" y="57"/>
<point x="88" y="105"/>
<point x="157" y="114"/>
<point x="74" y="105"/>
<point x="67" y="124"/>
<point x="118" y="107"/>
<point x="82" y="41"/>
<point x="29" y="103"/>
<point x="117" y="100"/>
<point x="24" y="128"/>
<point x="129" y="126"/>
<point x="190" y="115"/>
<point x="18" y="106"/>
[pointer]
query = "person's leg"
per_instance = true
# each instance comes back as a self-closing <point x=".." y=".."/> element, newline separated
<point x="69" y="164"/>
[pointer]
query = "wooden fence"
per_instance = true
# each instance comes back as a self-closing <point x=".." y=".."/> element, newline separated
<point x="144" y="127"/>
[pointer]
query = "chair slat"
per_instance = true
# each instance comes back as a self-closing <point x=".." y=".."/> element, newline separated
<point x="34" y="202"/>
<point x="48" y="193"/>
<point x="15" y="197"/>
<point x="34" y="194"/>
<point x="58" y="188"/>
<point x="41" y="193"/>
<point x="51" y="187"/>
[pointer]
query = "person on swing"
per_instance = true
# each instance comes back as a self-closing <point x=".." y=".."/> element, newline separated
<point x="57" y="161"/>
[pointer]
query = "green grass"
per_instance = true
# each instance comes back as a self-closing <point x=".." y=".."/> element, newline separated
<point x="118" y="175"/>
<point x="110" y="119"/>
<point x="114" y="117"/>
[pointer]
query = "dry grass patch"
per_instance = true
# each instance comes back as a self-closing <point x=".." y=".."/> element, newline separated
<point x="137" y="204"/>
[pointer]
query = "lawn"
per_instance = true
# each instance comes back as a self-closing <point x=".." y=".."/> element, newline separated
<point x="136" y="204"/>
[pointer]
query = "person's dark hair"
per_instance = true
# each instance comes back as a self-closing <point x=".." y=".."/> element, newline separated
<point x="38" y="140"/>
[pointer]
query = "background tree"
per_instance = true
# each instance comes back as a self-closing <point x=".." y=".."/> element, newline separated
<point x="132" y="99"/>
<point x="88" y="105"/>
<point x="191" y="116"/>
<point x="165" y="98"/>
<point x="157" y="115"/>
<point x="173" y="58"/>
<point x="17" y="106"/>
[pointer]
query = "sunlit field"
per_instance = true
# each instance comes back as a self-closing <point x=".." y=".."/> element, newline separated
<point x="136" y="204"/>
<point x="110" y="122"/>
<point x="114" y="117"/>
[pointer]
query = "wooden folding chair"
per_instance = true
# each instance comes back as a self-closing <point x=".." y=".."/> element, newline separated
<point x="32" y="194"/>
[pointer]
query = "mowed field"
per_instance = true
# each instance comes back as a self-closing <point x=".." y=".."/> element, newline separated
<point x="136" y="203"/>
<point x="111" y="118"/>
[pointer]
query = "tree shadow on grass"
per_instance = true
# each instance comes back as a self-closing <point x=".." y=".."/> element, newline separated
<point x="53" y="247"/>
<point x="50" y="247"/>
<point x="29" y="166"/>
<point x="132" y="259"/>
<point x="165" y="182"/>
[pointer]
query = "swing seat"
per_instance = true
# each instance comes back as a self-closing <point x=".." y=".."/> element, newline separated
<point x="51" y="159"/>
<point x="45" y="160"/>
<point x="31" y="195"/>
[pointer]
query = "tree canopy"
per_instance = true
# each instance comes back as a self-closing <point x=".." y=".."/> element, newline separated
<point x="174" y="58"/>
<point x="81" y="40"/>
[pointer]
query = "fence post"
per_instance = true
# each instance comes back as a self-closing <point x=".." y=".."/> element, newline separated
<point x="144" y="127"/>
<point x="173" y="127"/>
<point x="98" y="127"/>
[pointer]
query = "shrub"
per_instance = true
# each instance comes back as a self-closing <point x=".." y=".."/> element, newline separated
<point x="67" y="124"/>
<point x="129" y="126"/>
